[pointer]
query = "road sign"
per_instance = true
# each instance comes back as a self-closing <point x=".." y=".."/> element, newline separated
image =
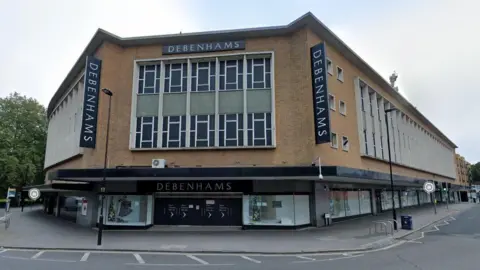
<point x="11" y="193"/>
<point x="34" y="194"/>
<point x="429" y="187"/>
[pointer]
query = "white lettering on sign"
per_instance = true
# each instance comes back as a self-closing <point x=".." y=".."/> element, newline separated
<point x="320" y="94"/>
<point x="194" y="187"/>
<point x="204" y="47"/>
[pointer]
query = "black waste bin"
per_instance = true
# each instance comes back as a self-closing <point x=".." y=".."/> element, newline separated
<point x="407" y="223"/>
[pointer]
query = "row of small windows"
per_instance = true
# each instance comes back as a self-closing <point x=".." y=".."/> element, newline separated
<point x="406" y="139"/>
<point x="67" y="98"/>
<point x="203" y="76"/>
<point x="202" y="131"/>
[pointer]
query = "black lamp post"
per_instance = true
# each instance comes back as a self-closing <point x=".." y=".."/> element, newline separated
<point x="394" y="212"/>
<point x="102" y="189"/>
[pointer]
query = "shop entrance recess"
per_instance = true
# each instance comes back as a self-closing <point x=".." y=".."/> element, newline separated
<point x="205" y="210"/>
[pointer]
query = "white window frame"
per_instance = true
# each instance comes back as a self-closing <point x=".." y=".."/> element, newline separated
<point x="330" y="104"/>
<point x="344" y="111"/>
<point x="334" y="143"/>
<point x="329" y="66"/>
<point x="340" y="74"/>
<point x="347" y="148"/>
<point x="142" y="124"/>
<point x="196" y="131"/>
<point x="164" y="60"/>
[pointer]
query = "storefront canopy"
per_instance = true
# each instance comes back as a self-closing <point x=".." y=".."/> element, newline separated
<point x="329" y="173"/>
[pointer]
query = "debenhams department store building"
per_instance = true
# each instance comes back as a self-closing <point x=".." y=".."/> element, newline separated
<point x="217" y="128"/>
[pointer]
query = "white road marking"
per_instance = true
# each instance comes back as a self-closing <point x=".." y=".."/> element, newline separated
<point x="85" y="257"/>
<point x="139" y="258"/>
<point x="305" y="258"/>
<point x="15" y="257"/>
<point x="330" y="259"/>
<point x="416" y="242"/>
<point x="179" y="265"/>
<point x="55" y="260"/>
<point x="250" y="259"/>
<point x="197" y="259"/>
<point x="2" y="251"/>
<point x="38" y="254"/>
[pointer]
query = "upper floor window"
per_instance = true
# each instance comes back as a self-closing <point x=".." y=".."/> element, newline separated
<point x="231" y="74"/>
<point x="146" y="134"/>
<point x="329" y="66"/>
<point x="339" y="73"/>
<point x="259" y="130"/>
<point x="231" y="129"/>
<point x="173" y="131"/>
<point x="203" y="76"/>
<point x="258" y="73"/>
<point x="149" y="79"/>
<point x="175" y="77"/>
<point x="202" y="130"/>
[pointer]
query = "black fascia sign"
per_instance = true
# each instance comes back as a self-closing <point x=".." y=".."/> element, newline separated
<point x="88" y="132"/>
<point x="321" y="112"/>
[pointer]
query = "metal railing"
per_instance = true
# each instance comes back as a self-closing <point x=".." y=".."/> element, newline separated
<point x="380" y="226"/>
<point x="6" y="220"/>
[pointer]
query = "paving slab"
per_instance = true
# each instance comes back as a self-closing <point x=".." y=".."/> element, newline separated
<point x="34" y="229"/>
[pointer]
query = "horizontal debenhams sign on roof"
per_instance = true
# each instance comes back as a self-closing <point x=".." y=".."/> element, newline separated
<point x="204" y="47"/>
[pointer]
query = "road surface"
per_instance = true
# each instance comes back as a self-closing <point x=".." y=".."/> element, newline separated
<point x="449" y="244"/>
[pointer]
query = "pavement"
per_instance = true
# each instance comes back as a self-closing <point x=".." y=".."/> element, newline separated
<point x="451" y="243"/>
<point x="34" y="229"/>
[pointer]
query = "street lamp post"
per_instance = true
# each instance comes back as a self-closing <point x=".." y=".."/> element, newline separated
<point x="104" y="180"/>
<point x="394" y="211"/>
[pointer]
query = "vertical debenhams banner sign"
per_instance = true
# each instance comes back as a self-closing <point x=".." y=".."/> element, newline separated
<point x="320" y="93"/>
<point x="88" y="132"/>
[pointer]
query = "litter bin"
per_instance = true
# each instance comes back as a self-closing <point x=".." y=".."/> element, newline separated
<point x="407" y="223"/>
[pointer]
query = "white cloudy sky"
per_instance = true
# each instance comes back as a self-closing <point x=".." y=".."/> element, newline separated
<point x="432" y="44"/>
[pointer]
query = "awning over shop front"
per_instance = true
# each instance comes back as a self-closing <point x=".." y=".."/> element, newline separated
<point x="61" y="187"/>
<point x="330" y="174"/>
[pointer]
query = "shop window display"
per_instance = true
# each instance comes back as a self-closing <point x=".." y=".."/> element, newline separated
<point x="276" y="210"/>
<point x="349" y="203"/>
<point x="127" y="210"/>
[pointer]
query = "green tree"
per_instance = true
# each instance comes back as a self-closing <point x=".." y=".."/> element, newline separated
<point x="474" y="173"/>
<point x="23" y="133"/>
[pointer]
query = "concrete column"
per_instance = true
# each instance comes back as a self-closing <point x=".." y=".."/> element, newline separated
<point x="373" y="200"/>
<point x="57" y="206"/>
<point x="322" y="204"/>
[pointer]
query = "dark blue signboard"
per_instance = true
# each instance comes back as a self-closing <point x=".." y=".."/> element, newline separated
<point x="88" y="132"/>
<point x="204" y="47"/>
<point x="321" y="112"/>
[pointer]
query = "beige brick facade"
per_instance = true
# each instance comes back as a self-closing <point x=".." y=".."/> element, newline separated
<point x="293" y="113"/>
<point x="462" y="167"/>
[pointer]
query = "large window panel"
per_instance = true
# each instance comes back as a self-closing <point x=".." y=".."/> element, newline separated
<point x="259" y="73"/>
<point x="149" y="79"/>
<point x="203" y="76"/>
<point x="176" y="78"/>
<point x="259" y="129"/>
<point x="231" y="129"/>
<point x="337" y="204"/>
<point x="365" y="202"/>
<point x="127" y="210"/>
<point x="352" y="203"/>
<point x="202" y="130"/>
<point x="276" y="210"/>
<point x="146" y="134"/>
<point x="231" y="74"/>
<point x="173" y="132"/>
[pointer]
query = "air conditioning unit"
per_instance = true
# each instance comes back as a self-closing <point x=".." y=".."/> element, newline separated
<point x="158" y="163"/>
